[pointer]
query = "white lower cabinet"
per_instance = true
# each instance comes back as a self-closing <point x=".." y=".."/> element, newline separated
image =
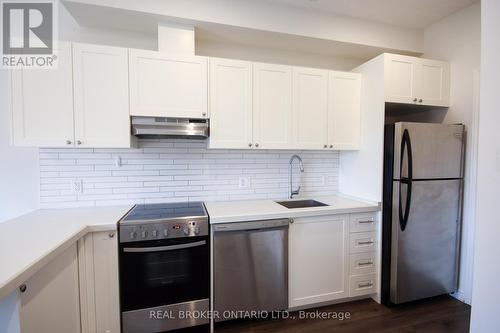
<point x="329" y="259"/>
<point x="49" y="300"/>
<point x="99" y="290"/>
<point x="318" y="259"/>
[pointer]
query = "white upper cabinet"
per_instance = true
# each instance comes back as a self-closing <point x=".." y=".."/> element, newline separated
<point x="344" y="110"/>
<point x="101" y="96"/>
<point x="310" y="108"/>
<point x="230" y="104"/>
<point x="272" y="106"/>
<point x="42" y="103"/>
<point x="413" y="80"/>
<point x="318" y="259"/>
<point x="164" y="85"/>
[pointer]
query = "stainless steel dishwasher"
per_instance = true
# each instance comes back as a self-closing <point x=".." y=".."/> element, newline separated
<point x="250" y="267"/>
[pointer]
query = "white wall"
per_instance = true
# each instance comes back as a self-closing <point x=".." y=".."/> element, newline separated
<point x="19" y="176"/>
<point x="486" y="288"/>
<point x="457" y="39"/>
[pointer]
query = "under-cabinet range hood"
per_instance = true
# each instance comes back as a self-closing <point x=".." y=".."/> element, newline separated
<point x="160" y="127"/>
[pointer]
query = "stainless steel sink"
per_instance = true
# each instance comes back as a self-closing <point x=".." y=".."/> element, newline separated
<point x="301" y="203"/>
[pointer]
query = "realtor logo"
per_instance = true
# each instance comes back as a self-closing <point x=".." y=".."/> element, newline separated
<point x="28" y="34"/>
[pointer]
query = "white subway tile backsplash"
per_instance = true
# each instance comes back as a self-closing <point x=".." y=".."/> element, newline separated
<point x="177" y="170"/>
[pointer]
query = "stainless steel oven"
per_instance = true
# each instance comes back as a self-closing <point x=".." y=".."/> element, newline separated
<point x="164" y="256"/>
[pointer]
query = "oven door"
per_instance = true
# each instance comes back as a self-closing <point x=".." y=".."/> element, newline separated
<point x="155" y="273"/>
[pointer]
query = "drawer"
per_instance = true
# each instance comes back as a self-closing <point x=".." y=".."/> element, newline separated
<point x="362" y="263"/>
<point x="362" y="284"/>
<point x="362" y="242"/>
<point x="363" y="222"/>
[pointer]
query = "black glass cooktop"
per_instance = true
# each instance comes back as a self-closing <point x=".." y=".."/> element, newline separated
<point x="166" y="211"/>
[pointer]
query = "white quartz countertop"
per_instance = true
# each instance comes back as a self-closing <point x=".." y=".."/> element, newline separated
<point x="250" y="210"/>
<point x="29" y="242"/>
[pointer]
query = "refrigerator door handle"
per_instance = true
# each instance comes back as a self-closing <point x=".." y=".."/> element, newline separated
<point x="405" y="146"/>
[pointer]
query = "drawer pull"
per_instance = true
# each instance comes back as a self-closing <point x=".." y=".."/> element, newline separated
<point x="365" y="221"/>
<point x="366" y="263"/>
<point x="365" y="243"/>
<point x="365" y="285"/>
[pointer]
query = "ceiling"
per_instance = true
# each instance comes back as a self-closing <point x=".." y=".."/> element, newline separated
<point x="416" y="14"/>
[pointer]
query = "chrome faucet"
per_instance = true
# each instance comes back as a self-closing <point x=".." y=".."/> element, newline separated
<point x="301" y="166"/>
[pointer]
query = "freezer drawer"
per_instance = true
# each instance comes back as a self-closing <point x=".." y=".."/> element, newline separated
<point x="250" y="267"/>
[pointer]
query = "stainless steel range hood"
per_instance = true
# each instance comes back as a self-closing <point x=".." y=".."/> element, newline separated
<point x="159" y="127"/>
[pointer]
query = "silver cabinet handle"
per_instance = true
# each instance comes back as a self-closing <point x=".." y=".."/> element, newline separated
<point x="111" y="235"/>
<point x="331" y="146"/>
<point x="325" y="146"/>
<point x="365" y="221"/>
<point x="365" y="243"/>
<point x="364" y="285"/>
<point x="204" y="114"/>
<point x="420" y="100"/>
<point x="78" y="142"/>
<point x="366" y="263"/>
<point x="68" y="142"/>
<point x="250" y="144"/>
<point x="415" y="99"/>
<point x="256" y="145"/>
<point x="22" y="288"/>
<point x="163" y="248"/>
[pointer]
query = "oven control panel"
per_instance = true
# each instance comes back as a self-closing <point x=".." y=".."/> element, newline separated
<point x="137" y="232"/>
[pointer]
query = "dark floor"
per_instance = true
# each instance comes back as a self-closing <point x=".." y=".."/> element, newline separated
<point x="442" y="314"/>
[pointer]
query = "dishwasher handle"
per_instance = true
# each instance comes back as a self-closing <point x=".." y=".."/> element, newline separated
<point x="252" y="225"/>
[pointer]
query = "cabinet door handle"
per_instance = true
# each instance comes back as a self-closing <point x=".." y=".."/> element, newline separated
<point x="250" y="144"/>
<point x="78" y="142"/>
<point x="366" y="263"/>
<point x="420" y="100"/>
<point x="257" y="145"/>
<point x="325" y="146"/>
<point x="331" y="146"/>
<point x="204" y="114"/>
<point x="68" y="142"/>
<point x="22" y="288"/>
<point x="365" y="221"/>
<point x="365" y="285"/>
<point x="415" y="99"/>
<point x="111" y="234"/>
<point x="365" y="243"/>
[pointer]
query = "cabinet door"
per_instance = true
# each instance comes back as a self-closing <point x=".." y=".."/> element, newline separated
<point x="50" y="302"/>
<point x="344" y="110"/>
<point x="400" y="78"/>
<point x="433" y="83"/>
<point x="98" y="264"/>
<point x="42" y="104"/>
<point x="101" y="96"/>
<point x="310" y="108"/>
<point x="163" y="85"/>
<point x="318" y="259"/>
<point x="230" y="104"/>
<point x="272" y="102"/>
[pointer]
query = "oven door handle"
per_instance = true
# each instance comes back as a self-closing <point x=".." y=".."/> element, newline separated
<point x="163" y="248"/>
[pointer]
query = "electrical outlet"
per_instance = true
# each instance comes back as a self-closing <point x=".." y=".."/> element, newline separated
<point x="243" y="182"/>
<point x="77" y="186"/>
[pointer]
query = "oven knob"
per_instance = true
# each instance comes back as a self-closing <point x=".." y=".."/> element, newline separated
<point x="186" y="231"/>
<point x="165" y="232"/>
<point x="196" y="230"/>
<point x="144" y="234"/>
<point x="133" y="234"/>
<point x="155" y="233"/>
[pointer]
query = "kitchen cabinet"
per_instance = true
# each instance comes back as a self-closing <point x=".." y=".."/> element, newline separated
<point x="272" y="106"/>
<point x="49" y="300"/>
<point x="101" y="96"/>
<point x="165" y="85"/>
<point x="82" y="103"/>
<point x="412" y="80"/>
<point x="230" y="104"/>
<point x="310" y="108"/>
<point x="42" y="103"/>
<point x="318" y="259"/>
<point x="344" y="110"/>
<point x="98" y="266"/>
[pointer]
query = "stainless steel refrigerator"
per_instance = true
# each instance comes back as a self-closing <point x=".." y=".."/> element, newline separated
<point x="423" y="180"/>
